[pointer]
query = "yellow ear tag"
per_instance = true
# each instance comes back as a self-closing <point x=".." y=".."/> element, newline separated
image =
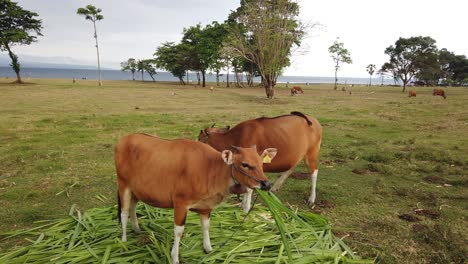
<point x="266" y="159"/>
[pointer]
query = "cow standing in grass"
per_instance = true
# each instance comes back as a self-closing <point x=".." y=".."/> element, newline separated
<point x="412" y="93"/>
<point x="184" y="175"/>
<point x="440" y="92"/>
<point x="296" y="137"/>
<point x="296" y="90"/>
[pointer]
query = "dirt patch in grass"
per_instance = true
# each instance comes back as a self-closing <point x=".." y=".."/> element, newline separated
<point x="435" y="179"/>
<point x="333" y="162"/>
<point x="362" y="171"/>
<point x="430" y="213"/>
<point x="409" y="218"/>
<point x="419" y="228"/>
<point x="300" y="175"/>
<point x="325" y="204"/>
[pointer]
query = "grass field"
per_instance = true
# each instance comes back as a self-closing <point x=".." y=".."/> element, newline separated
<point x="392" y="177"/>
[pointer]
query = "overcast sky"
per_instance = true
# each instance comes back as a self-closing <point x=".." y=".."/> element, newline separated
<point x="134" y="28"/>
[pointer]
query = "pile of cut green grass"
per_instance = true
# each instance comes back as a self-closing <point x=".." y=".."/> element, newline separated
<point x="269" y="235"/>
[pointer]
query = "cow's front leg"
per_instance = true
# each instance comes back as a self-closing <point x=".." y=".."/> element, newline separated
<point x="205" y="223"/>
<point x="279" y="182"/>
<point x="180" y="213"/>
<point x="247" y="200"/>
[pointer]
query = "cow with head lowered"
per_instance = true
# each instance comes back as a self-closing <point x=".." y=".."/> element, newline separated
<point x="183" y="175"/>
<point x="439" y="92"/>
<point x="296" y="137"/>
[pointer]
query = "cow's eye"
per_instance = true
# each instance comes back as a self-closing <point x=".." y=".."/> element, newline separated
<point x="245" y="165"/>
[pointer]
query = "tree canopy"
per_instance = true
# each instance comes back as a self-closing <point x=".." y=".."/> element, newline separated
<point x="340" y="55"/>
<point x="93" y="14"/>
<point x="410" y="56"/>
<point x="17" y="27"/>
<point x="264" y="32"/>
<point x="129" y="65"/>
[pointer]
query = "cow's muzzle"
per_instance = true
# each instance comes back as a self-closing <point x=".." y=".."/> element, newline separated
<point x="265" y="185"/>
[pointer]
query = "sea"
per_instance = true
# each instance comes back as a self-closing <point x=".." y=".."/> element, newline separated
<point x="91" y="74"/>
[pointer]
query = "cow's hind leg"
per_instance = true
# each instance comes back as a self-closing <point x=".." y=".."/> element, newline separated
<point x="280" y="181"/>
<point x="133" y="216"/>
<point x="125" y="197"/>
<point x="312" y="162"/>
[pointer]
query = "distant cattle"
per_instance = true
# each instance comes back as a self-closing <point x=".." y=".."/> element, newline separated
<point x="440" y="92"/>
<point x="296" y="90"/>
<point x="412" y="93"/>
<point x="184" y="175"/>
<point x="296" y="136"/>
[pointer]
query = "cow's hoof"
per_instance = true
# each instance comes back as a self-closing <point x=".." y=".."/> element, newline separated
<point x="207" y="251"/>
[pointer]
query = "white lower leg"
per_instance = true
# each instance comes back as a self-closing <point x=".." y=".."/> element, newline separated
<point x="124" y="219"/>
<point x="124" y="213"/>
<point x="133" y="218"/>
<point x="205" y="222"/>
<point x="279" y="182"/>
<point x="178" y="232"/>
<point x="247" y="200"/>
<point x="314" y="184"/>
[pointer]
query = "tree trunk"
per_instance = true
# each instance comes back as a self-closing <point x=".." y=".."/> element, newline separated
<point x="142" y="76"/>
<point x="336" y="76"/>
<point x="97" y="51"/>
<point x="217" y="77"/>
<point x="182" y="80"/>
<point x="268" y="84"/>
<point x="133" y="75"/>
<point x="203" y="78"/>
<point x="227" y="73"/>
<point x="198" y="77"/>
<point x="188" y="78"/>
<point x="370" y="80"/>
<point x="14" y="63"/>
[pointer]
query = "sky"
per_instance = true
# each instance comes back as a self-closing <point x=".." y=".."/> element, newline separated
<point x="135" y="28"/>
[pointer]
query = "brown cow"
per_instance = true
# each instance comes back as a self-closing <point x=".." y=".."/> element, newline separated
<point x="296" y="90"/>
<point x="184" y="175"/>
<point x="440" y="92"/>
<point x="296" y="136"/>
<point x="412" y="93"/>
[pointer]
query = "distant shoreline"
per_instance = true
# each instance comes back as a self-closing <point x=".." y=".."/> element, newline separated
<point x="91" y="74"/>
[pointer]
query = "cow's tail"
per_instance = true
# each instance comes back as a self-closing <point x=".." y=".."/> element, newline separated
<point x="296" y="113"/>
<point x="119" y="207"/>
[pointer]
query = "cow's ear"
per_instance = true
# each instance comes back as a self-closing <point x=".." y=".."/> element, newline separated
<point x="268" y="154"/>
<point x="227" y="156"/>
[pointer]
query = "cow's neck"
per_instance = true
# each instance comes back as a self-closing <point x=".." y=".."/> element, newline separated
<point x="220" y="141"/>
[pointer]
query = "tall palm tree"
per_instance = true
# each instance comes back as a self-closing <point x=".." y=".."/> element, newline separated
<point x="370" y="69"/>
<point x="92" y="13"/>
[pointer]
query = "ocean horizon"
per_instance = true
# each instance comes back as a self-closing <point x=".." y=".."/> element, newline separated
<point x="107" y="74"/>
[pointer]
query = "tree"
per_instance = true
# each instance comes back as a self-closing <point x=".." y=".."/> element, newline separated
<point x="370" y="69"/>
<point x="17" y="27"/>
<point x="173" y="58"/>
<point x="265" y="33"/>
<point x="204" y="46"/>
<point x="140" y="66"/>
<point x="454" y="68"/>
<point x="129" y="65"/>
<point x="92" y="13"/>
<point x="148" y="66"/>
<point x="410" y="56"/>
<point x="339" y="55"/>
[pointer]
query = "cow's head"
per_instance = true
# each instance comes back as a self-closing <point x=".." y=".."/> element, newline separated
<point x="205" y="133"/>
<point x="247" y="165"/>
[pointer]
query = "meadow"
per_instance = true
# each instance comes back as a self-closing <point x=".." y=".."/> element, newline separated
<point x="392" y="177"/>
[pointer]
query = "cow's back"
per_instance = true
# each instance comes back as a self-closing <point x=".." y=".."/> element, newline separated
<point x="156" y="170"/>
<point x="291" y="135"/>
